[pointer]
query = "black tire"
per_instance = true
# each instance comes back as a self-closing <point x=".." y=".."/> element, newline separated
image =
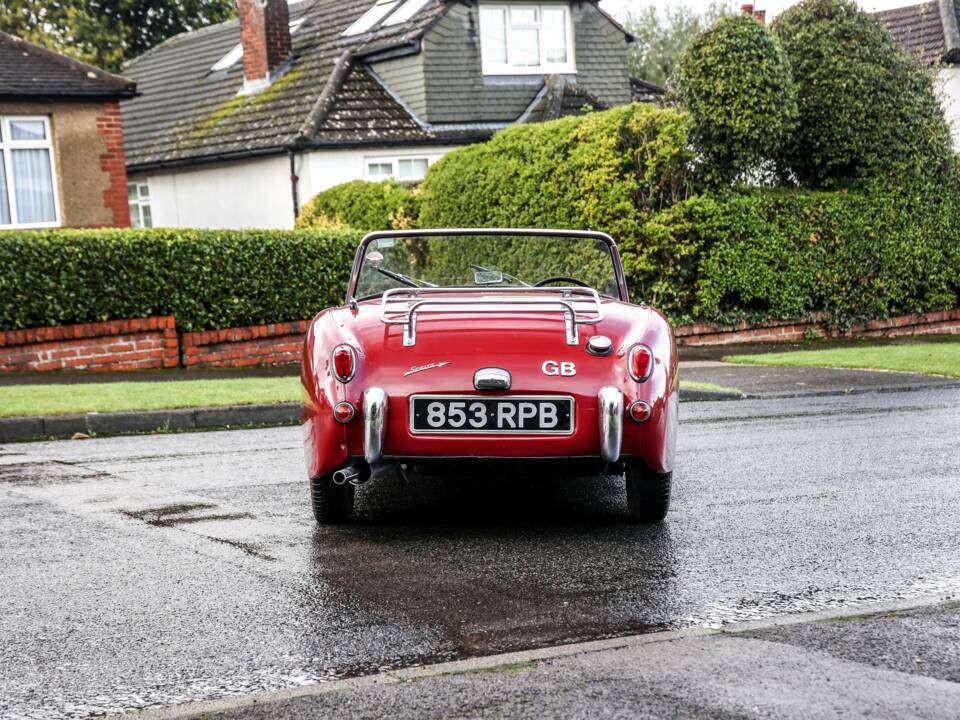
<point x="332" y="503"/>
<point x="648" y="493"/>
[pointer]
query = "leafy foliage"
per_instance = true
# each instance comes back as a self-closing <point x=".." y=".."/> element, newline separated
<point x="866" y="110"/>
<point x="735" y="82"/>
<point x="663" y="33"/>
<point x="603" y="171"/>
<point x="362" y="205"/>
<point x="206" y="279"/>
<point x="108" y="32"/>
<point x="790" y="253"/>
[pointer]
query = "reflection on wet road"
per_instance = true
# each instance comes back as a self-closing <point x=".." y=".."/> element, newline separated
<point x="147" y="570"/>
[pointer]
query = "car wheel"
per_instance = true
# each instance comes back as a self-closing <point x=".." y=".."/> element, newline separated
<point x="648" y="493"/>
<point x="332" y="503"/>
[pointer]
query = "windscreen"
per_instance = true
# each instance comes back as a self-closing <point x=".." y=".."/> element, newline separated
<point x="486" y="261"/>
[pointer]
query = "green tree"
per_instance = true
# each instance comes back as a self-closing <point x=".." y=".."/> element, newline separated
<point x="736" y="84"/>
<point x="866" y="109"/>
<point x="663" y="34"/>
<point x="107" y="32"/>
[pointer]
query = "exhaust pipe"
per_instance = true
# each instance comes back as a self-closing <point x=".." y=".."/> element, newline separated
<point x="348" y="474"/>
<point x="361" y="472"/>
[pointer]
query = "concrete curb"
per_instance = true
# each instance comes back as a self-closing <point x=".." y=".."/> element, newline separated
<point x="478" y="664"/>
<point x="58" y="426"/>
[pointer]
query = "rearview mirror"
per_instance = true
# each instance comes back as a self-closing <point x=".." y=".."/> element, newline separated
<point x="374" y="259"/>
<point x="487" y="277"/>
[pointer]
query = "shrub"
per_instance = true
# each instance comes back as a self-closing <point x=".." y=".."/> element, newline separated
<point x="206" y="279"/>
<point x="785" y="254"/>
<point x="362" y="205"/>
<point x="735" y="82"/>
<point x="604" y="170"/>
<point x="866" y="110"/>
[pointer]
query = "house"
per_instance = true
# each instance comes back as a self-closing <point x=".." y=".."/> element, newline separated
<point x="241" y="122"/>
<point x="61" y="143"/>
<point x="931" y="32"/>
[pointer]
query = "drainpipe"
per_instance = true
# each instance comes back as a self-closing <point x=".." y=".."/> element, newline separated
<point x="293" y="183"/>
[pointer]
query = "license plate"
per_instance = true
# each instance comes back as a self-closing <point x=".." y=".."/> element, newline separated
<point x="533" y="415"/>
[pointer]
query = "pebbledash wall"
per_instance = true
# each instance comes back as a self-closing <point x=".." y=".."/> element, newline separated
<point x="150" y="343"/>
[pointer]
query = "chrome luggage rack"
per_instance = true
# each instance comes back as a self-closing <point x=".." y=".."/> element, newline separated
<point x="579" y="306"/>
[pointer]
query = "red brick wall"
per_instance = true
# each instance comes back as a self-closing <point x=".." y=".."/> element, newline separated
<point x="946" y="322"/>
<point x="275" y="344"/>
<point x="114" y="164"/>
<point x="265" y="34"/>
<point x="114" y="345"/>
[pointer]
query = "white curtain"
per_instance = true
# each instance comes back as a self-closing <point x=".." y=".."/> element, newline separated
<point x="4" y="202"/>
<point x="33" y="186"/>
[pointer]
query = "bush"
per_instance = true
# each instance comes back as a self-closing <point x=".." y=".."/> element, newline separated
<point x="866" y="110"/>
<point x="206" y="279"/>
<point x="605" y="170"/>
<point x="362" y="205"/>
<point x="735" y="82"/>
<point x="783" y="254"/>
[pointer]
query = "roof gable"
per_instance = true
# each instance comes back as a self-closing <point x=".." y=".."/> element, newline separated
<point x="928" y="31"/>
<point x="28" y="70"/>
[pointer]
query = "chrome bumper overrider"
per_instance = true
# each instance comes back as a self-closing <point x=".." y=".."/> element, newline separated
<point x="374" y="424"/>
<point x="610" y="402"/>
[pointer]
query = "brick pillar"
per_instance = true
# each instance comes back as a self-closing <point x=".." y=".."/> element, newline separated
<point x="113" y="163"/>
<point x="265" y="36"/>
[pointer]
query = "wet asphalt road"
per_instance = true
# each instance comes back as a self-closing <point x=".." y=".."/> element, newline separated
<point x="153" y="570"/>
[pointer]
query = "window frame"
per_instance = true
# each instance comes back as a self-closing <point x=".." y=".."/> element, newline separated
<point x="7" y="146"/>
<point x="140" y="204"/>
<point x="544" y="68"/>
<point x="394" y="162"/>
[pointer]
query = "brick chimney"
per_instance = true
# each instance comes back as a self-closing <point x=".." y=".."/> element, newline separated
<point x="265" y="36"/>
<point x="759" y="15"/>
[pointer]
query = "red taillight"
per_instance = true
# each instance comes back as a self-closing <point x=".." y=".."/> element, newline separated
<point x="343" y="412"/>
<point x="640" y="362"/>
<point x="640" y="411"/>
<point x="344" y="363"/>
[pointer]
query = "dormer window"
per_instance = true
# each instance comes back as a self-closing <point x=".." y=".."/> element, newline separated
<point x="524" y="39"/>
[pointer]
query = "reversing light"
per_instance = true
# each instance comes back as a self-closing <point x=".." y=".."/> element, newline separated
<point x="344" y="363"/>
<point x="640" y="362"/>
<point x="639" y="411"/>
<point x="343" y="412"/>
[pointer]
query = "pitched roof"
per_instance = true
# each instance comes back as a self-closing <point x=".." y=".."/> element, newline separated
<point x="31" y="71"/>
<point x="928" y="30"/>
<point x="645" y="91"/>
<point x="188" y="113"/>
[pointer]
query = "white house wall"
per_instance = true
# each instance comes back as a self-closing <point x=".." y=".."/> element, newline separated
<point x="256" y="193"/>
<point x="950" y="96"/>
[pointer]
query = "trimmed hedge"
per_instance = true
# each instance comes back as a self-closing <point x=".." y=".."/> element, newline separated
<point x="362" y="205"/>
<point x="605" y="170"/>
<point x="736" y="84"/>
<point x="785" y="254"/>
<point x="206" y="279"/>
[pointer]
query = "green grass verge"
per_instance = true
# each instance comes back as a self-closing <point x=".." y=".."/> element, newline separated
<point x="936" y="358"/>
<point x="70" y="399"/>
<point x="707" y="387"/>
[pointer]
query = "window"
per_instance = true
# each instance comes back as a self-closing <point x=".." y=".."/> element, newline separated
<point x="28" y="195"/>
<point x="403" y="168"/>
<point x="138" y="195"/>
<point x="406" y="11"/>
<point x="526" y="39"/>
<point x="371" y="17"/>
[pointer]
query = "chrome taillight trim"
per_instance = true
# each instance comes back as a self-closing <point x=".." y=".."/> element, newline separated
<point x="653" y="362"/>
<point x="353" y="363"/>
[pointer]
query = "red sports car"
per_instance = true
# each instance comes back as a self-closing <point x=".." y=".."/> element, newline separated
<point x="489" y="346"/>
